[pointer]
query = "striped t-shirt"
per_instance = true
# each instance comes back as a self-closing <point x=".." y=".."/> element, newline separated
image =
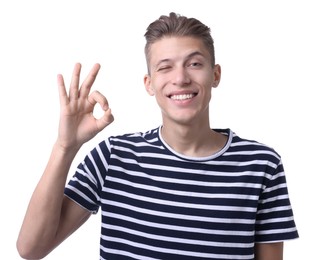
<point x="158" y="204"/>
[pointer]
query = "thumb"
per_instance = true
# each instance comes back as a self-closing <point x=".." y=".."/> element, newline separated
<point x="105" y="120"/>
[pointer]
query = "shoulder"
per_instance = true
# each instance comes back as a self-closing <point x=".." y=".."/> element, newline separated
<point x="252" y="144"/>
<point x="149" y="138"/>
<point x="146" y="136"/>
<point x="257" y="150"/>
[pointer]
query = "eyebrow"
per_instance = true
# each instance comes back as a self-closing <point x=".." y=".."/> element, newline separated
<point x="195" y="53"/>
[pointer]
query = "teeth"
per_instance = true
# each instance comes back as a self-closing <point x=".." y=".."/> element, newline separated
<point x="182" y="97"/>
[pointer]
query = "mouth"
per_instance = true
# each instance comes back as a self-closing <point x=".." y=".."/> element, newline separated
<point x="182" y="96"/>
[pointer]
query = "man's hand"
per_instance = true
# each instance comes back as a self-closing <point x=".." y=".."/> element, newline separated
<point x="77" y="123"/>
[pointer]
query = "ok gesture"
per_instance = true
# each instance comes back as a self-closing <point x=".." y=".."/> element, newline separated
<point x="77" y="123"/>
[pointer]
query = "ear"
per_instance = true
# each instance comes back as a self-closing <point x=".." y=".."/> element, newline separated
<point x="217" y="75"/>
<point x="147" y="83"/>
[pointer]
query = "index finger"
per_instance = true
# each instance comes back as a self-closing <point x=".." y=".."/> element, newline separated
<point x="89" y="81"/>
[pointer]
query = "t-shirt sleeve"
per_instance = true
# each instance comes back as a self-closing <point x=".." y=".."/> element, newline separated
<point x="275" y="221"/>
<point x="86" y="184"/>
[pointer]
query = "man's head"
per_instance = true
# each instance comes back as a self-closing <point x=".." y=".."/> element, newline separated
<point x="178" y="26"/>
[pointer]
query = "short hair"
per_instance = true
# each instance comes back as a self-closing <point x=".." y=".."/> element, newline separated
<point x="179" y="26"/>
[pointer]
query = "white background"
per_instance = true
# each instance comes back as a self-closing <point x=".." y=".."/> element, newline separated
<point x="266" y="52"/>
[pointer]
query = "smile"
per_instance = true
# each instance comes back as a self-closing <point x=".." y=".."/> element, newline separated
<point x="182" y="96"/>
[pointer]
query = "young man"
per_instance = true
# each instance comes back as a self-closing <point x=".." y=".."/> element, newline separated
<point x="180" y="191"/>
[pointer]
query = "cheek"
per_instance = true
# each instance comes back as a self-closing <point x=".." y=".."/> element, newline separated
<point x="206" y="92"/>
<point x="156" y="85"/>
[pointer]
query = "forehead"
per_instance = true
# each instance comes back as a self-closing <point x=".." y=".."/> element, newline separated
<point x="172" y="48"/>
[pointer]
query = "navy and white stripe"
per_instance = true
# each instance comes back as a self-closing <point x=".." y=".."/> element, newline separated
<point x="157" y="204"/>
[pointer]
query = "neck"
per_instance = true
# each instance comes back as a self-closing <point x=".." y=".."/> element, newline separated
<point x="197" y="140"/>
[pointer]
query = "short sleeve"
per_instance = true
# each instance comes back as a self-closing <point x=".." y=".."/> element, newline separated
<point x="86" y="184"/>
<point x="275" y="221"/>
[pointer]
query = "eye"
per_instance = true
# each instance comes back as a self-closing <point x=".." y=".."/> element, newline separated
<point x="163" y="68"/>
<point x="194" y="64"/>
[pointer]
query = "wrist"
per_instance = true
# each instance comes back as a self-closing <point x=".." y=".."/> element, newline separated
<point x="66" y="151"/>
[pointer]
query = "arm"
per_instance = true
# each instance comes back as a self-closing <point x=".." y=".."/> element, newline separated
<point x="269" y="251"/>
<point x="51" y="217"/>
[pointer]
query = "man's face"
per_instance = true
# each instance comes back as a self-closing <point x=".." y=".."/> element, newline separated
<point x="181" y="79"/>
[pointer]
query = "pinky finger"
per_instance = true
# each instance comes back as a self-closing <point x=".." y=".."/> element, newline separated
<point x="62" y="90"/>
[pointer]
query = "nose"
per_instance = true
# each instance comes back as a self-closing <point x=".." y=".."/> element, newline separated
<point x="181" y="77"/>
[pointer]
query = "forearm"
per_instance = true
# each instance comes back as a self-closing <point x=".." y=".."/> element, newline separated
<point x="269" y="251"/>
<point x="42" y="217"/>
